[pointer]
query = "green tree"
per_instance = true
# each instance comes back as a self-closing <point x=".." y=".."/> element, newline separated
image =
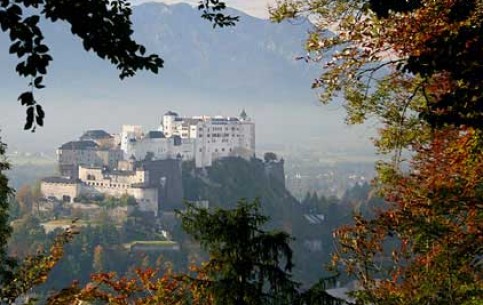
<point x="5" y="230"/>
<point x="269" y="156"/>
<point x="247" y="265"/>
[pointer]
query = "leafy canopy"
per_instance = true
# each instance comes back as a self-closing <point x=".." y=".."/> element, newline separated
<point x="408" y="64"/>
<point x="415" y="66"/>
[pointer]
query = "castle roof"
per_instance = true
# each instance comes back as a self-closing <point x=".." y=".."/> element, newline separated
<point x="171" y="113"/>
<point x="190" y="121"/>
<point x="155" y="135"/>
<point x="95" y="134"/>
<point x="79" y="145"/>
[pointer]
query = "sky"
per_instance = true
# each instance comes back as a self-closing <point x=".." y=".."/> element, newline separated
<point x="257" y="8"/>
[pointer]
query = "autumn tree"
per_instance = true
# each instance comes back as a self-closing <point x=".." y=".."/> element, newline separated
<point x="21" y="276"/>
<point x="145" y="287"/>
<point x="409" y="64"/>
<point x="415" y="66"/>
<point x="434" y="219"/>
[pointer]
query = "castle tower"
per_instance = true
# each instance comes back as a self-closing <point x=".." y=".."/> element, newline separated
<point x="168" y="126"/>
<point x="243" y="115"/>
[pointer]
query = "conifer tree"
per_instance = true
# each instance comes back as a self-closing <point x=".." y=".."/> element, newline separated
<point x="247" y="265"/>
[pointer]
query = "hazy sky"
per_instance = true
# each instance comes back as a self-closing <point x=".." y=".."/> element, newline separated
<point x="256" y="8"/>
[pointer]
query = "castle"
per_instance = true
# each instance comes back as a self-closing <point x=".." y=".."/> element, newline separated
<point x="199" y="138"/>
<point x="147" y="166"/>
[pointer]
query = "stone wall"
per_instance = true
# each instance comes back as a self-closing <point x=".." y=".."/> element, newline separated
<point x="61" y="191"/>
<point x="165" y="175"/>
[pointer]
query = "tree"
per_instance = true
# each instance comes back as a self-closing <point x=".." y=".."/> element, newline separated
<point x="269" y="156"/>
<point x="146" y="287"/>
<point x="25" y="199"/>
<point x="5" y="230"/>
<point x="247" y="265"/>
<point x="22" y="276"/>
<point x="414" y="66"/>
<point x="435" y="223"/>
<point x="104" y="28"/>
<point x="391" y="61"/>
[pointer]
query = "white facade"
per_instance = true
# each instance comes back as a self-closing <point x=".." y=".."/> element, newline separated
<point x="129" y="133"/>
<point x="201" y="138"/>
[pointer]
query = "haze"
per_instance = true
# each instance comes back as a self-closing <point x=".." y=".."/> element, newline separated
<point x="249" y="67"/>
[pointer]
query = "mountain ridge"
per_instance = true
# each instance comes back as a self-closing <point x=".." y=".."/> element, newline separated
<point x="209" y="71"/>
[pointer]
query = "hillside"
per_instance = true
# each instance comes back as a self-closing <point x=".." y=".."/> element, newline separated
<point x="231" y="179"/>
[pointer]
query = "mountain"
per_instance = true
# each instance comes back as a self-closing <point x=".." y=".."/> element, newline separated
<point x="207" y="71"/>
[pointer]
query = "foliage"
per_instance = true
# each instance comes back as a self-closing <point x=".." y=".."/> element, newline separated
<point x="231" y="179"/>
<point x="5" y="230"/>
<point x="103" y="26"/>
<point x="212" y="11"/>
<point x="124" y="201"/>
<point x="27" y="236"/>
<point x="246" y="265"/>
<point x="393" y="62"/>
<point x="415" y="66"/>
<point x="436" y="217"/>
<point x="269" y="156"/>
<point x="33" y="270"/>
<point x="145" y="288"/>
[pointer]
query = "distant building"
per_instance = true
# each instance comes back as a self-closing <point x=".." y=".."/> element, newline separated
<point x="60" y="188"/>
<point x="199" y="138"/>
<point x="156" y="185"/>
<point x="117" y="183"/>
<point x="88" y="152"/>
<point x="147" y="165"/>
<point x="100" y="137"/>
